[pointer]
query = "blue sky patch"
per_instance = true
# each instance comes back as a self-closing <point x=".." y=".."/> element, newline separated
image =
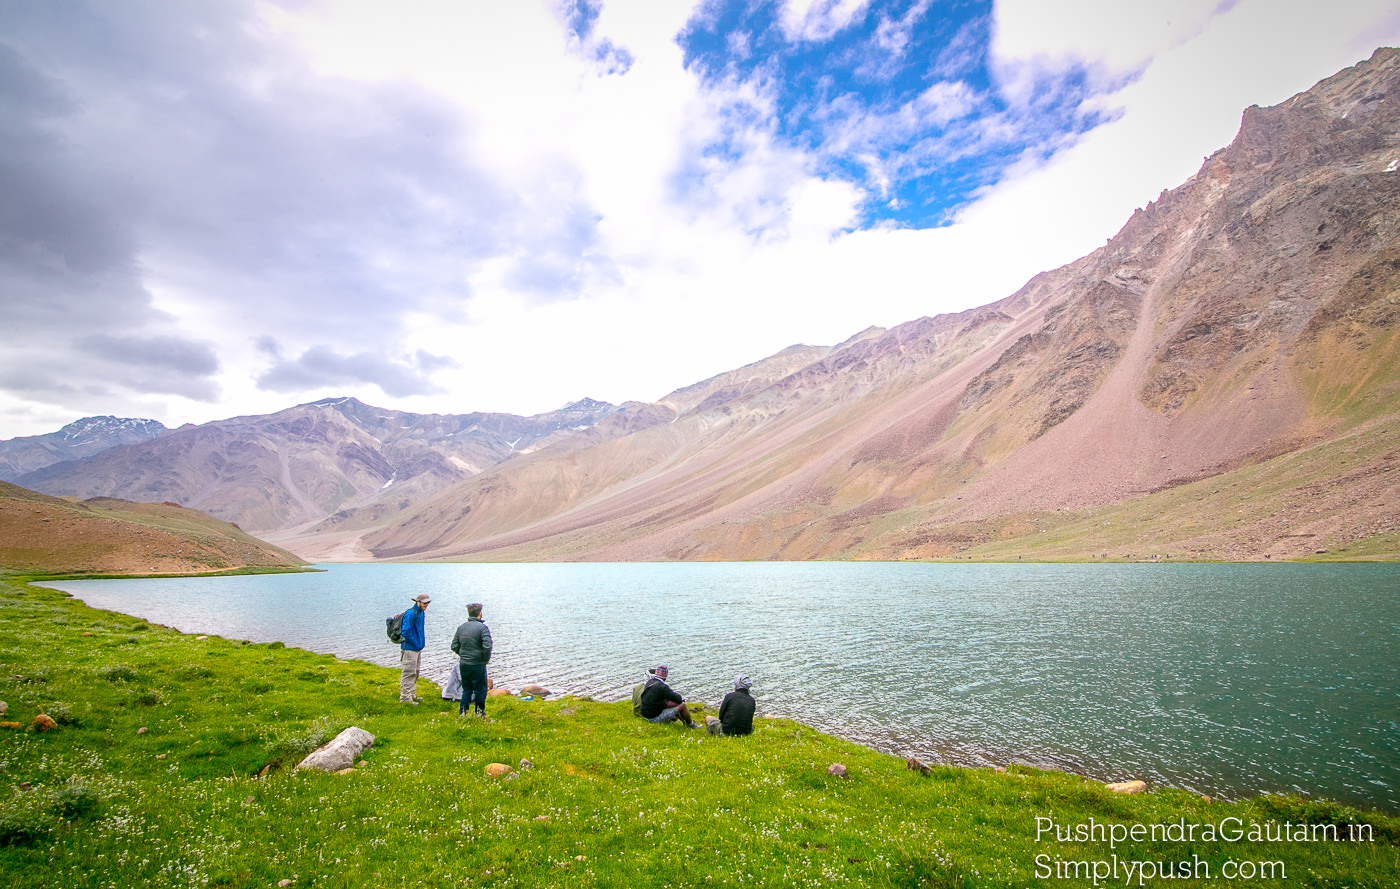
<point x="899" y="99"/>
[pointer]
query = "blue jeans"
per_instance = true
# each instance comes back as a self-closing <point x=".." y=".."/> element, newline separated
<point x="473" y="688"/>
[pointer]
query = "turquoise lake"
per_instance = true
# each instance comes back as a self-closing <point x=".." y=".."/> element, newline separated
<point x="1227" y="680"/>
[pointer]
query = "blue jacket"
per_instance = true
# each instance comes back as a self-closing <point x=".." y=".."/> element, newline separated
<point x="413" y="637"/>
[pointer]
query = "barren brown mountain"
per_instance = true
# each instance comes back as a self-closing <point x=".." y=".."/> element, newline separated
<point x="1220" y="380"/>
<point x="39" y="533"/>
<point x="332" y="458"/>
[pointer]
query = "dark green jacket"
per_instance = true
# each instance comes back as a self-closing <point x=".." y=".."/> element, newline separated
<point x="472" y="642"/>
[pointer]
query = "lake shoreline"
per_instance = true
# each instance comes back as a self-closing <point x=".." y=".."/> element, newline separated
<point x="986" y="666"/>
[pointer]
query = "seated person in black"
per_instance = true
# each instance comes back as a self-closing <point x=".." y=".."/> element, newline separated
<point x="736" y="711"/>
<point x="659" y="703"/>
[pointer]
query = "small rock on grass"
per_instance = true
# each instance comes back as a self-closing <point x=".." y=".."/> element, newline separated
<point x="341" y="752"/>
<point x="1128" y="787"/>
<point x="4" y="708"/>
<point x="836" y="770"/>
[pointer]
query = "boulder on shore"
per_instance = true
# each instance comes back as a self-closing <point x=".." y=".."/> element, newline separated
<point x="341" y="752"/>
<point x="538" y="691"/>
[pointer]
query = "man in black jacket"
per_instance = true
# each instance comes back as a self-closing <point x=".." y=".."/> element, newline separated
<point x="736" y="710"/>
<point x="472" y="643"/>
<point x="660" y="703"/>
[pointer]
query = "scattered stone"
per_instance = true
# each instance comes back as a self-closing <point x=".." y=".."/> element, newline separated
<point x="10" y="725"/>
<point x="1001" y="770"/>
<point x="497" y="770"/>
<point x="160" y="756"/>
<point x="836" y="770"/>
<point x="538" y="691"/>
<point x="1207" y="799"/>
<point x="350" y="770"/>
<point x="497" y="692"/>
<point x="284" y="883"/>
<point x="341" y="752"/>
<point x="511" y="777"/>
<point x="4" y="708"/>
<point x="713" y="726"/>
<point x="249" y="801"/>
<point x="526" y="764"/>
<point x="201" y="638"/>
<point x="43" y="722"/>
<point x="915" y="765"/>
<point x="87" y="634"/>
<point x="541" y="817"/>
<point x="1128" y="787"/>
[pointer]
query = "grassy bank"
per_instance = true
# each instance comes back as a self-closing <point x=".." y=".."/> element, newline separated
<point x="151" y="778"/>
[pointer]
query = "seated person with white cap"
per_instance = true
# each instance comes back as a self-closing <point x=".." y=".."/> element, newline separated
<point x="736" y="710"/>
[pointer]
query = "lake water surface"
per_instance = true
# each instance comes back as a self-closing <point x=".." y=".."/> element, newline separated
<point x="1223" y="679"/>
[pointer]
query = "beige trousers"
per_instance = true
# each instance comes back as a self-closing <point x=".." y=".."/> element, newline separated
<point x="408" y="679"/>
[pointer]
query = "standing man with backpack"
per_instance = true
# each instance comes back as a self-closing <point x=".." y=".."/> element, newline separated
<point x="411" y="649"/>
<point x="472" y="643"/>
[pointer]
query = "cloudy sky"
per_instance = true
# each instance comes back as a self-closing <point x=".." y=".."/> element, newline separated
<point x="220" y="208"/>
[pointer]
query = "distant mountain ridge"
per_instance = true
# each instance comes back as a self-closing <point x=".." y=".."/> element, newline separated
<point x="79" y="439"/>
<point x="1221" y="380"/>
<point x="306" y="463"/>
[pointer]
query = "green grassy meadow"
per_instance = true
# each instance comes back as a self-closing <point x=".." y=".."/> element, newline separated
<point x="152" y="778"/>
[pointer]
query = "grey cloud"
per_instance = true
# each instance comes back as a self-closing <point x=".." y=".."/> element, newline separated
<point x="177" y="138"/>
<point x="160" y="352"/>
<point x="323" y="367"/>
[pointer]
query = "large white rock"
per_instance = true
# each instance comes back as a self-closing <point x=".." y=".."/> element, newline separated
<point x="341" y="752"/>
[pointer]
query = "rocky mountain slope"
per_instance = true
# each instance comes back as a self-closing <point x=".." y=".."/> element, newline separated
<point x="1247" y="316"/>
<point x="79" y="439"/>
<point x="304" y="464"/>
<point x="39" y="533"/>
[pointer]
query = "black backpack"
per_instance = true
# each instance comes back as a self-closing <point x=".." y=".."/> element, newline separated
<point x="394" y="627"/>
